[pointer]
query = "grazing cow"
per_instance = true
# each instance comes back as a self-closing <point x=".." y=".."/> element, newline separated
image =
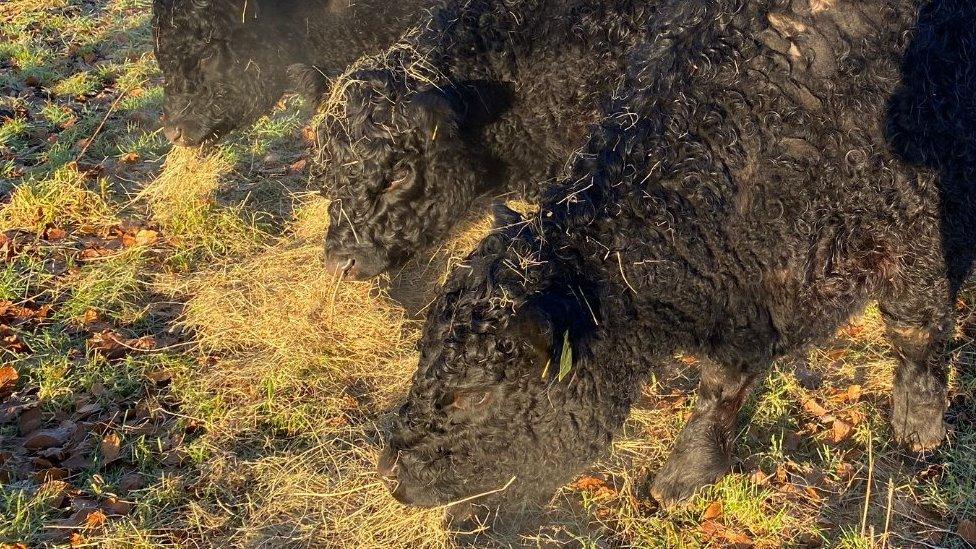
<point x="489" y="96"/>
<point x="225" y="61"/>
<point x="769" y="167"/>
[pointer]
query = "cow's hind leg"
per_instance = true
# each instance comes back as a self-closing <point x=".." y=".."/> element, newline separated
<point x="919" y="324"/>
<point x="701" y="454"/>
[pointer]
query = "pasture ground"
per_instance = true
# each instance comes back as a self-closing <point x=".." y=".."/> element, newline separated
<point x="177" y="369"/>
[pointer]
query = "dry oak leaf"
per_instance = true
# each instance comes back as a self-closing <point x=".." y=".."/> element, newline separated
<point x="717" y="532"/>
<point x="814" y="408"/>
<point x="30" y="421"/>
<point x="146" y="237"/>
<point x="129" y="158"/>
<point x="55" y="491"/>
<point x="110" y="448"/>
<point x="94" y="519"/>
<point x="851" y="394"/>
<point x="713" y="511"/>
<point x="840" y="431"/>
<point x="967" y="531"/>
<point x="52" y="234"/>
<point x="115" y="506"/>
<point x="588" y="482"/>
<point x="298" y="167"/>
<point x="130" y="482"/>
<point x="48" y="438"/>
<point x="8" y="377"/>
<point x="836" y="354"/>
<point x="77" y="540"/>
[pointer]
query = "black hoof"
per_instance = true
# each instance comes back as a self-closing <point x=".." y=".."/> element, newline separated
<point x="682" y="476"/>
<point x="919" y="425"/>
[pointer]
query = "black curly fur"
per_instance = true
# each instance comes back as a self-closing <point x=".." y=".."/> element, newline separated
<point x="225" y="61"/>
<point x="490" y="96"/>
<point x="766" y="170"/>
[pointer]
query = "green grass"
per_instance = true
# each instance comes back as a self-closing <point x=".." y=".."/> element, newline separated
<point x="113" y="287"/>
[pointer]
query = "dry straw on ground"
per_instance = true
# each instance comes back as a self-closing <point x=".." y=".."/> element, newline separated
<point x="299" y="352"/>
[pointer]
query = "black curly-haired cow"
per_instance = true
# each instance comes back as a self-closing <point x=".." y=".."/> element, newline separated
<point x="769" y="167"/>
<point x="488" y="96"/>
<point x="225" y="62"/>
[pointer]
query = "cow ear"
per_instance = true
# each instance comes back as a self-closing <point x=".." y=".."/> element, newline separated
<point x="554" y="324"/>
<point x="532" y="327"/>
<point x="308" y="81"/>
<point x="432" y="113"/>
<point x="504" y="216"/>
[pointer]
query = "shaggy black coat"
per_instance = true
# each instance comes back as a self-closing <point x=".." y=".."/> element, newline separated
<point x="489" y="96"/>
<point x="770" y="167"/>
<point x="225" y="61"/>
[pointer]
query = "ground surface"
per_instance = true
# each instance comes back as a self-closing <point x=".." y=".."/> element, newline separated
<point x="178" y="371"/>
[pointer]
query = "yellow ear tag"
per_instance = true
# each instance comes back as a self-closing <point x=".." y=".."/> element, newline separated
<point x="566" y="358"/>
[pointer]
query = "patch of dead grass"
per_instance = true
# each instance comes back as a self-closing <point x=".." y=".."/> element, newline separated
<point x="183" y="200"/>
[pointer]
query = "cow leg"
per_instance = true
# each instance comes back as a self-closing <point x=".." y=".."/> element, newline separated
<point x="918" y="326"/>
<point x="702" y="451"/>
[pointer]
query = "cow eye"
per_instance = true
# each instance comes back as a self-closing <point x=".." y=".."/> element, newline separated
<point x="400" y="176"/>
<point x="467" y="400"/>
<point x="212" y="59"/>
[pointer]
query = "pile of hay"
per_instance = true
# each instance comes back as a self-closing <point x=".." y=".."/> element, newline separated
<point x="301" y="368"/>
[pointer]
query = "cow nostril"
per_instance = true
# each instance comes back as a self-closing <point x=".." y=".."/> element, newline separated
<point x="342" y="266"/>
<point x="388" y="466"/>
<point x="173" y="133"/>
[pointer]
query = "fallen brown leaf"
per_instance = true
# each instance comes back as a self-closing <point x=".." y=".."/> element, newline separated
<point x="76" y="461"/>
<point x="110" y="448"/>
<point x="49" y="475"/>
<point x="967" y="531"/>
<point x="115" y="506"/>
<point x="812" y="493"/>
<point x="851" y="394"/>
<point x="146" y="237"/>
<point x="814" y="408"/>
<point x="95" y="518"/>
<point x="840" y="431"/>
<point x="781" y="474"/>
<point x="88" y="409"/>
<point x="8" y="378"/>
<point x="845" y="470"/>
<point x="129" y="158"/>
<point x="130" y="482"/>
<point x="90" y="316"/>
<point x="713" y="511"/>
<point x="77" y="540"/>
<point x="55" y="491"/>
<point x="113" y="345"/>
<point x="48" y="438"/>
<point x="53" y="234"/>
<point x="30" y="421"/>
<point x="836" y="354"/>
<point x="717" y="532"/>
<point x="298" y="167"/>
<point x="759" y="478"/>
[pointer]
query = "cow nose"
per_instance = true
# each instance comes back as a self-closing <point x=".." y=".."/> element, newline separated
<point x="356" y="263"/>
<point x="341" y="265"/>
<point x="173" y="133"/>
<point x="388" y="466"/>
